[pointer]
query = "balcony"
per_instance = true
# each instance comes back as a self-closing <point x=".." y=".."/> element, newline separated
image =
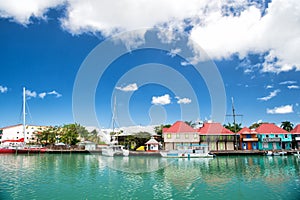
<point x="250" y="139"/>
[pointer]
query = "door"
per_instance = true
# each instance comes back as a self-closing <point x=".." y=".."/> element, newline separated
<point x="244" y="146"/>
<point x="254" y="145"/>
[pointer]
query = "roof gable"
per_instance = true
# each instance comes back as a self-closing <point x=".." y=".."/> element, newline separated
<point x="179" y="127"/>
<point x="214" y="128"/>
<point x="246" y="130"/>
<point x="269" y="129"/>
<point x="296" y="129"/>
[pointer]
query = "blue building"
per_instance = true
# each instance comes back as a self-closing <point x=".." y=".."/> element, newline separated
<point x="272" y="137"/>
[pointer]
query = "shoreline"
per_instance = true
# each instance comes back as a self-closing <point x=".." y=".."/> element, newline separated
<point x="145" y="153"/>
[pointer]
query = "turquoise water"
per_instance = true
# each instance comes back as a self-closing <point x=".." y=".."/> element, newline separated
<point x="78" y="176"/>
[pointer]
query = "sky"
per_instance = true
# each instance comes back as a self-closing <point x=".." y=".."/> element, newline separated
<point x="149" y="62"/>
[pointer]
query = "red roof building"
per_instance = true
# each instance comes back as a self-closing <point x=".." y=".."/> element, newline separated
<point x="248" y="139"/>
<point x="216" y="137"/>
<point x="296" y="137"/>
<point x="272" y="137"/>
<point x="214" y="129"/>
<point x="296" y="130"/>
<point x="180" y="136"/>
<point x="179" y="127"/>
<point x="268" y="128"/>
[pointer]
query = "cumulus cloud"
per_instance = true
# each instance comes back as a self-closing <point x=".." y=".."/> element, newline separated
<point x="33" y="94"/>
<point x="173" y="52"/>
<point x="3" y="89"/>
<point x="287" y="82"/>
<point x="30" y="94"/>
<point x="22" y="11"/>
<point x="128" y="88"/>
<point x="222" y="28"/>
<point x="42" y="95"/>
<point x="270" y="96"/>
<point x="293" y="87"/>
<point x="56" y="94"/>
<point x="183" y="100"/>
<point x="161" y="100"/>
<point x="281" y="110"/>
<point x="269" y="86"/>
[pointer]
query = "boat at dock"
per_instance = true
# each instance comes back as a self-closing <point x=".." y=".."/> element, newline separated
<point x="11" y="146"/>
<point x="114" y="149"/>
<point x="189" y="153"/>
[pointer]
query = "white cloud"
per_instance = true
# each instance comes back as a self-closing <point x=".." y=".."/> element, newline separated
<point x="42" y="95"/>
<point x="22" y="11"/>
<point x="293" y="86"/>
<point x="281" y="110"/>
<point x="287" y="82"/>
<point x="173" y="52"/>
<point x="222" y="28"/>
<point x="3" y="89"/>
<point x="128" y="88"/>
<point x="161" y="100"/>
<point x="250" y="32"/>
<point x="183" y="100"/>
<point x="30" y="94"/>
<point x="270" y="96"/>
<point x="269" y="86"/>
<point x="57" y="95"/>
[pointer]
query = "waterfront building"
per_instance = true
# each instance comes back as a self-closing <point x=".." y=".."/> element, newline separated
<point x="216" y="137"/>
<point x="248" y="139"/>
<point x="296" y="137"/>
<point x="152" y="144"/>
<point x="272" y="137"/>
<point x="180" y="135"/>
<point x="15" y="134"/>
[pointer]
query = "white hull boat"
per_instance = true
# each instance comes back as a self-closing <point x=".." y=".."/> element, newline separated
<point x="185" y="154"/>
<point x="113" y="150"/>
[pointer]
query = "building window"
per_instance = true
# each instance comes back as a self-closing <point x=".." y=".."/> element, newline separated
<point x="285" y="136"/>
<point x="17" y="137"/>
<point x="267" y="136"/>
<point x="220" y="137"/>
<point x="18" y="132"/>
<point x="177" y="136"/>
<point x="27" y="132"/>
<point x="203" y="137"/>
<point x="276" y="135"/>
<point x="186" y="135"/>
<point x="195" y="135"/>
<point x="27" y="138"/>
<point x="169" y="136"/>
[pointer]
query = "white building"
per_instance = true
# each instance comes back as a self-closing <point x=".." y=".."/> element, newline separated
<point x="15" y="133"/>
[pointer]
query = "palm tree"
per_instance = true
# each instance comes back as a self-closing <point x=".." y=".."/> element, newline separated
<point x="287" y="125"/>
<point x="233" y="127"/>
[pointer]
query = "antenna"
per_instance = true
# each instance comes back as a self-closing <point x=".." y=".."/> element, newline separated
<point x="234" y="120"/>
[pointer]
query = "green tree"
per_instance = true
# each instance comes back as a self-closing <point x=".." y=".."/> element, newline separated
<point x="287" y="125"/>
<point x="255" y="125"/>
<point x="69" y="134"/>
<point x="233" y="127"/>
<point x="82" y="132"/>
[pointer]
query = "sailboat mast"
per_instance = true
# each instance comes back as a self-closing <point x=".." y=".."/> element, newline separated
<point x="24" y="113"/>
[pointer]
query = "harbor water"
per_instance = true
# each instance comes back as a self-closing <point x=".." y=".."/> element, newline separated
<point x="87" y="176"/>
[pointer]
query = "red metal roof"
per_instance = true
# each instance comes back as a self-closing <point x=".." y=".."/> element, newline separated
<point x="296" y="129"/>
<point x="247" y="130"/>
<point x="179" y="127"/>
<point x="214" y="128"/>
<point x="269" y="129"/>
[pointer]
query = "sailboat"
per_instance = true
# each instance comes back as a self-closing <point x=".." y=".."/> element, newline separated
<point x="19" y="145"/>
<point x="114" y="148"/>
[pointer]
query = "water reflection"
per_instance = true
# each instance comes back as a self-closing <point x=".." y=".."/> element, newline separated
<point x="98" y="177"/>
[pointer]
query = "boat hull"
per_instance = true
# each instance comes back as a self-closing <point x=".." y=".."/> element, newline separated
<point x="185" y="155"/>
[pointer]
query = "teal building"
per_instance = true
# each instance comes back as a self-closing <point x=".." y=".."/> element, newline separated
<point x="272" y="137"/>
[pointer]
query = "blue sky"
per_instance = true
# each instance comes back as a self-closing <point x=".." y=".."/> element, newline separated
<point x="252" y="45"/>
